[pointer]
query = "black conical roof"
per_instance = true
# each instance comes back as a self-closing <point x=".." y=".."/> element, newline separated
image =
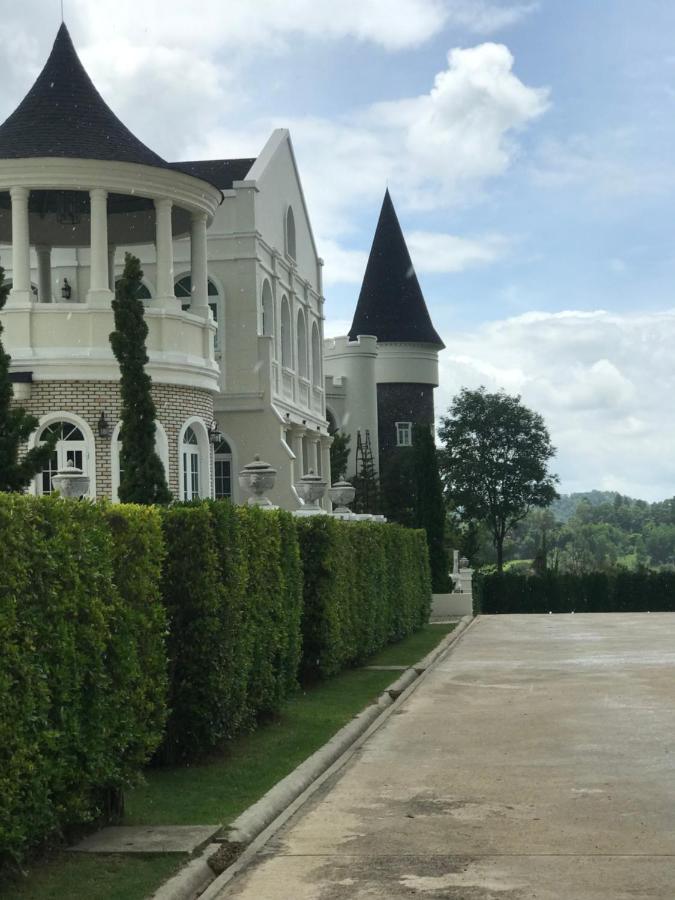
<point x="63" y="115"/>
<point x="391" y="305"/>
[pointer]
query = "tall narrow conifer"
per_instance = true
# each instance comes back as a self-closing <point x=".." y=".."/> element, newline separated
<point x="142" y="476"/>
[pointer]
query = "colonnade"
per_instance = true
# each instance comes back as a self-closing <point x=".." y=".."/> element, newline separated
<point x="102" y="255"/>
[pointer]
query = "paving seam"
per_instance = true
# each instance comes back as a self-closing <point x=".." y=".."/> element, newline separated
<point x="423" y="668"/>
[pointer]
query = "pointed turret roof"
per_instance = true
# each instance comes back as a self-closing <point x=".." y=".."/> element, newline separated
<point x="63" y="115"/>
<point x="391" y="304"/>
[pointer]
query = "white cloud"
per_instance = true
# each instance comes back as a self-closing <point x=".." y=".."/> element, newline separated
<point x="438" y="252"/>
<point x="604" y="383"/>
<point x="434" y="149"/>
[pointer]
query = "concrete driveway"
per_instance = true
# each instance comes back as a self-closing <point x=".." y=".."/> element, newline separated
<point x="536" y="761"/>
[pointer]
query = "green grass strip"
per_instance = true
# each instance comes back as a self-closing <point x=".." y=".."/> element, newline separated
<point x="70" y="876"/>
<point x="413" y="648"/>
<point x="218" y="790"/>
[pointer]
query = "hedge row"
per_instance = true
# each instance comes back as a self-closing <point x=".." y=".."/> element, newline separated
<point x="131" y="631"/>
<point x="232" y="586"/>
<point x="82" y="673"/>
<point x="563" y="593"/>
<point x="365" y="585"/>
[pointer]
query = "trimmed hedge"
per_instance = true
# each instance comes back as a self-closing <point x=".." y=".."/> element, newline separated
<point x="365" y="585"/>
<point x="81" y="677"/>
<point x="129" y="631"/>
<point x="563" y="593"/>
<point x="233" y="590"/>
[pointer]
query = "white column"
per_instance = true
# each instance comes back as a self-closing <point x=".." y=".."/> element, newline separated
<point x="297" y="434"/>
<point x="324" y="450"/>
<point x="198" y="265"/>
<point x="164" y="247"/>
<point x="21" y="292"/>
<point x="99" y="293"/>
<point x="111" y="267"/>
<point x="44" y="258"/>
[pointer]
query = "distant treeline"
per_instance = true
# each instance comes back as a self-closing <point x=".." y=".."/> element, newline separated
<point x="590" y="532"/>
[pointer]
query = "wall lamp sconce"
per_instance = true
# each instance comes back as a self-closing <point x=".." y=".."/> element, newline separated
<point x="216" y="436"/>
<point x="105" y="429"/>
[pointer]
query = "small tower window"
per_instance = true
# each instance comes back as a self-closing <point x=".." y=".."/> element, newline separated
<point x="404" y="434"/>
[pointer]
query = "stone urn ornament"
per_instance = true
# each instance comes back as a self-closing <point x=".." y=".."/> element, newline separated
<point x="310" y="489"/>
<point x="70" y="482"/>
<point x="342" y="494"/>
<point x="256" y="478"/>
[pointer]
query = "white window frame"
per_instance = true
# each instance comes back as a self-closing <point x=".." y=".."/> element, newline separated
<point x="203" y="456"/>
<point x="404" y="434"/>
<point x="88" y="447"/>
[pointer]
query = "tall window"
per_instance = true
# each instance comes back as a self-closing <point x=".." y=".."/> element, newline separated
<point x="290" y="233"/>
<point x="223" y="470"/>
<point x="183" y="291"/>
<point x="302" y="344"/>
<point x="316" y="356"/>
<point x="71" y="449"/>
<point x="267" y="310"/>
<point x="191" y="472"/>
<point x="404" y="434"/>
<point x="286" y="353"/>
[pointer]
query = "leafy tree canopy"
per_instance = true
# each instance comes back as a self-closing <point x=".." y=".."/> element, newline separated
<point x="494" y="461"/>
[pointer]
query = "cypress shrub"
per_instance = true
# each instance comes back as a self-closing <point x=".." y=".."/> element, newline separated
<point x="81" y="707"/>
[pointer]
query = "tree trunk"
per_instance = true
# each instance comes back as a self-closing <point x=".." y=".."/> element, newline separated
<point x="499" y="547"/>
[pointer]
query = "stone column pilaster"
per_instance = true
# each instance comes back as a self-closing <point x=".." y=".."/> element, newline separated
<point x="164" y="245"/>
<point x="44" y="259"/>
<point x="21" y="291"/>
<point x="199" y="266"/>
<point x="99" y="293"/>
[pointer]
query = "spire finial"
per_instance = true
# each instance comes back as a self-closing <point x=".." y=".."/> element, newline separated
<point x="62" y="19"/>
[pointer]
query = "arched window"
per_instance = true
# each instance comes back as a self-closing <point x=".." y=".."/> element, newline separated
<point x="286" y="345"/>
<point x="290" y="233"/>
<point x="223" y="471"/>
<point x="71" y="449"/>
<point x="183" y="292"/>
<point x="143" y="290"/>
<point x="191" y="467"/>
<point x="195" y="461"/>
<point x="267" y="310"/>
<point x="302" y="345"/>
<point x="316" y="356"/>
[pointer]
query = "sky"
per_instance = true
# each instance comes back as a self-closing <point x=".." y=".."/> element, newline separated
<point x="528" y="148"/>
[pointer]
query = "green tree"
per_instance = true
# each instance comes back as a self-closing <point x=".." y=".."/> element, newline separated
<point x="429" y="505"/>
<point x="339" y="455"/>
<point x="367" y="499"/>
<point x="16" y="426"/>
<point x="142" y="478"/>
<point x="494" y="461"/>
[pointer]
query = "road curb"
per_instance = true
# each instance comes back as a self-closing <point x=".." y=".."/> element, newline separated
<point x="256" y="824"/>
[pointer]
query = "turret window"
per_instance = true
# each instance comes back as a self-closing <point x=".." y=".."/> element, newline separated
<point x="404" y="434"/>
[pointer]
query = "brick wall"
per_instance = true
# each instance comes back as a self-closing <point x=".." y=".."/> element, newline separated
<point x="87" y="399"/>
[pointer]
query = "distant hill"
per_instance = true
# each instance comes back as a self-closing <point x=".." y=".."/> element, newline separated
<point x="564" y="508"/>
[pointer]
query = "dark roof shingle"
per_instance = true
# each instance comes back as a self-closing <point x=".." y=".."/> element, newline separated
<point x="63" y="115"/>
<point x="220" y="172"/>
<point x="391" y="304"/>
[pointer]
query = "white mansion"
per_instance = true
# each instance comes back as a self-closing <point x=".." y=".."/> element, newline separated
<point x="232" y="285"/>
